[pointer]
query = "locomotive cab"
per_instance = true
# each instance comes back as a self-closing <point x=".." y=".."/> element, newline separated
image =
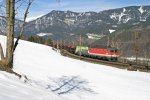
<point x="113" y="53"/>
<point x="113" y="50"/>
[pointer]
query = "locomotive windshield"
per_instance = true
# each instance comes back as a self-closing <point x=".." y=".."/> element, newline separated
<point x="113" y="50"/>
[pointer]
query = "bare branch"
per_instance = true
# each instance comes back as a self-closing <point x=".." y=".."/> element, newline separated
<point x="23" y="25"/>
<point x="2" y="5"/>
<point x="18" y="1"/>
<point x="19" y="5"/>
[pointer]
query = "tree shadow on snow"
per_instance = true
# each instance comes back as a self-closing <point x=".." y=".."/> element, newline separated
<point x="70" y="85"/>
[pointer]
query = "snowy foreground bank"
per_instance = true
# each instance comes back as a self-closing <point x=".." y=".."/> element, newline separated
<point x="54" y="77"/>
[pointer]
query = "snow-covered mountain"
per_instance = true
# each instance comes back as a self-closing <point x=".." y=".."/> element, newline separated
<point x="67" y="22"/>
<point x="49" y="73"/>
<point x="62" y="24"/>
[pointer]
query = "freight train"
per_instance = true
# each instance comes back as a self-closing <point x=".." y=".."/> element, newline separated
<point x="99" y="52"/>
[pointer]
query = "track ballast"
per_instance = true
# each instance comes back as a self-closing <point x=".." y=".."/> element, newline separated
<point x="109" y="63"/>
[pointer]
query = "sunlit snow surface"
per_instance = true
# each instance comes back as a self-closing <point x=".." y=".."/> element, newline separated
<point x="12" y="88"/>
<point x="41" y="64"/>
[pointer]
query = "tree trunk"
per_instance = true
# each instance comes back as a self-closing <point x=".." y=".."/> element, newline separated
<point x="1" y="52"/>
<point x="10" y="14"/>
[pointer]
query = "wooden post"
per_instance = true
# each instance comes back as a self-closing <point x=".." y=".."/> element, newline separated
<point x="80" y="47"/>
<point x="136" y="46"/>
<point x="57" y="45"/>
<point x="108" y="41"/>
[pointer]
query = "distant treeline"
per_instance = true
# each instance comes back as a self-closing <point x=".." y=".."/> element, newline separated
<point x="40" y="40"/>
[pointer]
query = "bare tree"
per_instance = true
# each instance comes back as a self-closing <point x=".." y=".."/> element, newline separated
<point x="144" y="49"/>
<point x="10" y="17"/>
<point x="118" y="44"/>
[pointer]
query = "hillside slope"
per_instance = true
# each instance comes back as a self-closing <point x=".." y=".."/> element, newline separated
<point x="124" y="40"/>
<point x="13" y="88"/>
<point x="46" y="69"/>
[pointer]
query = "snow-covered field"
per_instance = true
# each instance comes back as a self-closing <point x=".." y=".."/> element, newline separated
<point x="46" y="70"/>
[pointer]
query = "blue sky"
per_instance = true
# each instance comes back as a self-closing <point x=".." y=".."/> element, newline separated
<point x="41" y="7"/>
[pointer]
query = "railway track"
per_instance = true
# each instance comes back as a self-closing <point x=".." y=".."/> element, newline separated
<point x="109" y="63"/>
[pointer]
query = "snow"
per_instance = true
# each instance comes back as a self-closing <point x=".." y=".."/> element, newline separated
<point x="69" y="21"/>
<point x="94" y="36"/>
<point x="98" y="21"/>
<point x="33" y="17"/>
<point x="88" y="14"/>
<point x="141" y="10"/>
<point x="127" y="19"/>
<point x="119" y="17"/>
<point x="44" y="34"/>
<point x="41" y="65"/>
<point x="143" y="19"/>
<point x="41" y="34"/>
<point x="13" y="88"/>
<point x="124" y="9"/>
<point x="111" y="30"/>
<point x="114" y="16"/>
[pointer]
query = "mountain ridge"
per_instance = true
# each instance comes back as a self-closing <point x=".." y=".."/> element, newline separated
<point x="77" y="22"/>
<point x="63" y="25"/>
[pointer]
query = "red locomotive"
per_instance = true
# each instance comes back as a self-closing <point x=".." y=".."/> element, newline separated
<point x="106" y="53"/>
<point x="99" y="52"/>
